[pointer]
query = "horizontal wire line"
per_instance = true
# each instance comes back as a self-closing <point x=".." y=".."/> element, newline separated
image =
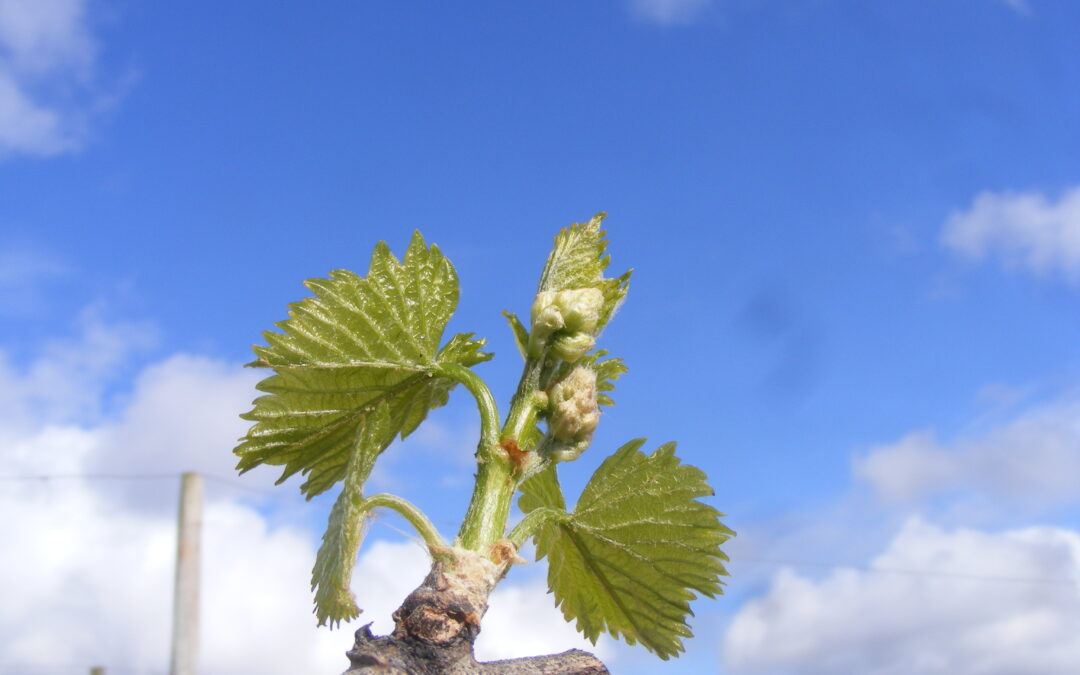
<point x="221" y="480"/>
<point x="90" y="476"/>
<point x="23" y="667"/>
<point x="914" y="573"/>
<point x="228" y="482"/>
<point x="213" y="478"/>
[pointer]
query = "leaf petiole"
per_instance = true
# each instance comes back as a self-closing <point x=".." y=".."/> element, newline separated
<point x="532" y="523"/>
<point x="485" y="402"/>
<point x="411" y="513"/>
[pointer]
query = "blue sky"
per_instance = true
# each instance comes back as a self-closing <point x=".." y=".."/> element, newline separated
<point x="855" y="229"/>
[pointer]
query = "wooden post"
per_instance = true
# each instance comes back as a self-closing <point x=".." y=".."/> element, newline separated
<point x="185" y="634"/>
<point x="97" y="670"/>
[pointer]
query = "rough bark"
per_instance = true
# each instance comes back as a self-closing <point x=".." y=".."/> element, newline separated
<point x="437" y="625"/>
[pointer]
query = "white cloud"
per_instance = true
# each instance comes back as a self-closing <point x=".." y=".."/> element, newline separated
<point x="854" y="621"/>
<point x="1020" y="6"/>
<point x="48" y="68"/>
<point x="1033" y="460"/>
<point x="908" y="469"/>
<point x="91" y="583"/>
<point x="668" y="12"/>
<point x="183" y="415"/>
<point x="1025" y="229"/>
<point x="514" y="605"/>
<point x="66" y="380"/>
<point x="24" y="272"/>
<point x="87" y="581"/>
<point x="86" y="576"/>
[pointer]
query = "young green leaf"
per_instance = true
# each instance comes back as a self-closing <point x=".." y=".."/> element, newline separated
<point x="635" y="550"/>
<point x="540" y="490"/>
<point x="357" y="344"/>
<point x="521" y="334"/>
<point x="330" y="578"/>
<point x="577" y="261"/>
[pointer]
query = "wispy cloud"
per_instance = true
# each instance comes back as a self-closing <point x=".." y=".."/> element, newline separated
<point x="934" y="601"/>
<point x="25" y="272"/>
<point x="1031" y="460"/>
<point x="66" y="381"/>
<point x="668" y="12"/>
<point x="49" y="87"/>
<point x="949" y="590"/>
<point x="1020" y="6"/>
<point x="1027" y="230"/>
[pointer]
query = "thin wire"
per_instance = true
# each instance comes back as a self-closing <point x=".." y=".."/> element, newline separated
<point x="90" y="476"/>
<point x="221" y="480"/>
<point x="228" y="482"/>
<point x="23" y="667"/>
<point x="915" y="573"/>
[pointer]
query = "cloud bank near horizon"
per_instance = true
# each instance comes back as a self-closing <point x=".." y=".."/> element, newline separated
<point x="91" y="579"/>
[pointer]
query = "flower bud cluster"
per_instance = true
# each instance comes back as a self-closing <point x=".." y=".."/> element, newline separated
<point x="574" y="415"/>
<point x="567" y="318"/>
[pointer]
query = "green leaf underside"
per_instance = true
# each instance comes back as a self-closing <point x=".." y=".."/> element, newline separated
<point x="331" y="577"/>
<point x="578" y="261"/>
<point x="541" y="489"/>
<point x="637" y="547"/>
<point x="357" y="345"/>
<point x="521" y="334"/>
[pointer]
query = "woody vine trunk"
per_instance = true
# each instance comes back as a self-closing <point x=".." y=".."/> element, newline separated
<point x="437" y="626"/>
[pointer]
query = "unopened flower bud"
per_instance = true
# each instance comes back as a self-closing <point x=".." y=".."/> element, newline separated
<point x="572" y="347"/>
<point x="546" y="313"/>
<point x="580" y="308"/>
<point x="567" y="452"/>
<point x="575" y="413"/>
<point x="546" y="319"/>
<point x="575" y="312"/>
